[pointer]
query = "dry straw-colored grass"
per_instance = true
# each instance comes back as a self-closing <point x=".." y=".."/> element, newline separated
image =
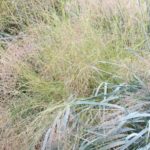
<point x="66" y="51"/>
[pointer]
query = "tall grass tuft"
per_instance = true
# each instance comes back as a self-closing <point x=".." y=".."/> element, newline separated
<point x="108" y="120"/>
<point x="54" y="53"/>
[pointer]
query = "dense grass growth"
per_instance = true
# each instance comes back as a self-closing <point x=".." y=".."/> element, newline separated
<point x="114" y="121"/>
<point x="55" y="52"/>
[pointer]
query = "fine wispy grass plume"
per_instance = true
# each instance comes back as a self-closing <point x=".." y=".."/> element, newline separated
<point x="74" y="74"/>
